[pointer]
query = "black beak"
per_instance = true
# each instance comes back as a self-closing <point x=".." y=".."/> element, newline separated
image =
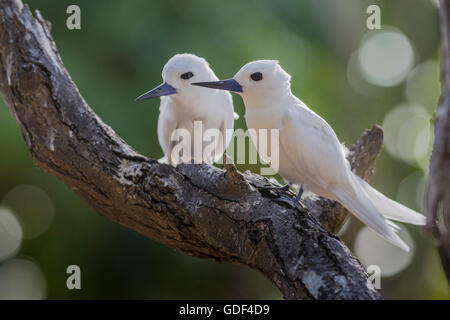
<point x="229" y="84"/>
<point x="162" y="90"/>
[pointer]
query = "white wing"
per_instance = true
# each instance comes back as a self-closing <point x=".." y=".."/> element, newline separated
<point x="167" y="123"/>
<point x="311" y="144"/>
<point x="225" y="110"/>
<point x="391" y="209"/>
<point x="314" y="148"/>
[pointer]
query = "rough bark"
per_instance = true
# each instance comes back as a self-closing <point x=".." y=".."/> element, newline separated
<point x="198" y="210"/>
<point x="438" y="187"/>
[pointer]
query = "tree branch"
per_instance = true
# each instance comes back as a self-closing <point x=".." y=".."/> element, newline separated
<point x="198" y="210"/>
<point x="438" y="187"/>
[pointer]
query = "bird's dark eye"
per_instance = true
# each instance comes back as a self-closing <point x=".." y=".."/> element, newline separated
<point x="256" y="76"/>
<point x="187" y="75"/>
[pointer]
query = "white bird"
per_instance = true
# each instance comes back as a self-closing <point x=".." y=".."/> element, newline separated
<point x="183" y="104"/>
<point x="310" y="153"/>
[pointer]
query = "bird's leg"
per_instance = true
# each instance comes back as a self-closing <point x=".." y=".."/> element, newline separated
<point x="300" y="192"/>
<point x="290" y="201"/>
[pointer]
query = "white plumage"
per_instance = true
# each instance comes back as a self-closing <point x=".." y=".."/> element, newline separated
<point x="310" y="153"/>
<point x="182" y="104"/>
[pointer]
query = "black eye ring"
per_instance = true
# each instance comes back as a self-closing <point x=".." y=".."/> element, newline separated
<point x="256" y="76"/>
<point x="187" y="75"/>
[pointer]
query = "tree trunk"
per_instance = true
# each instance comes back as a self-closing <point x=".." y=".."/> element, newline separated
<point x="437" y="200"/>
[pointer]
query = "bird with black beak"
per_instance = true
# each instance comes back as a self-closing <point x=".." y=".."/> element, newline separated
<point x="184" y="108"/>
<point x="310" y="153"/>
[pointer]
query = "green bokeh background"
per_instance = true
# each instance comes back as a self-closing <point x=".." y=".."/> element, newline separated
<point x="119" y="53"/>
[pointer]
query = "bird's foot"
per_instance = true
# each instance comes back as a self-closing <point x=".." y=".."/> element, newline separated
<point x="277" y="188"/>
<point x="293" y="203"/>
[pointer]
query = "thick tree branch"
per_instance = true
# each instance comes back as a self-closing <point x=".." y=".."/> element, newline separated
<point x="438" y="186"/>
<point x="196" y="209"/>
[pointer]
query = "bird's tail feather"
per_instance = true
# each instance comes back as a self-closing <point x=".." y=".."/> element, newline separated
<point x="355" y="199"/>
<point x="389" y="208"/>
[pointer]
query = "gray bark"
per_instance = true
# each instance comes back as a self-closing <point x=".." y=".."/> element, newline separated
<point x="437" y="202"/>
<point x="198" y="210"/>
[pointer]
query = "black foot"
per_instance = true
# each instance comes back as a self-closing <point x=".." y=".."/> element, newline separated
<point x="289" y="201"/>
<point x="281" y="189"/>
<point x="292" y="202"/>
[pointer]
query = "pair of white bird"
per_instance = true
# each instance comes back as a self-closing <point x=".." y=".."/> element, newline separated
<point x="310" y="153"/>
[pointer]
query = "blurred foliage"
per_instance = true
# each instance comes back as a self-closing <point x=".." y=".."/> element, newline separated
<point x="119" y="53"/>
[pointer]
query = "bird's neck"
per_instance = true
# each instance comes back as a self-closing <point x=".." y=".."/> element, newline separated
<point x="274" y="99"/>
<point x="189" y="103"/>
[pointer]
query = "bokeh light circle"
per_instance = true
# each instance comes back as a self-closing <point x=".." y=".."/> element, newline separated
<point x="423" y="85"/>
<point x="411" y="191"/>
<point x="33" y="207"/>
<point x="22" y="279"/>
<point x="385" y="57"/>
<point x="408" y="134"/>
<point x="10" y="234"/>
<point x="372" y="249"/>
<point x="356" y="80"/>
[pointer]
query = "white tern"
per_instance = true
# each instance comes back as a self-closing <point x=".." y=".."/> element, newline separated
<point x="183" y="104"/>
<point x="310" y="153"/>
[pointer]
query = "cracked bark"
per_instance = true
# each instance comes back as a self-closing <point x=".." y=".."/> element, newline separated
<point x="198" y="210"/>
<point x="438" y="189"/>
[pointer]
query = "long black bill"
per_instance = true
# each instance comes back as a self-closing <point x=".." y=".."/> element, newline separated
<point x="162" y="90"/>
<point x="228" y="84"/>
